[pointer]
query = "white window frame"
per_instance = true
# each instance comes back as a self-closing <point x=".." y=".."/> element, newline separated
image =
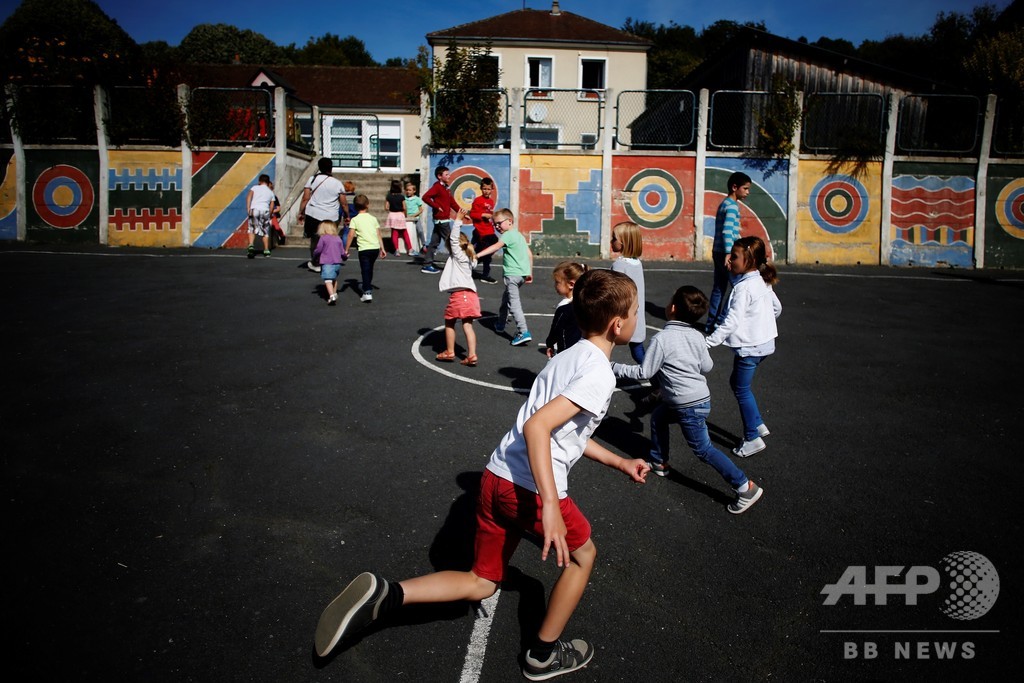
<point x="604" y="75"/>
<point x="367" y="139"/>
<point x="526" y="75"/>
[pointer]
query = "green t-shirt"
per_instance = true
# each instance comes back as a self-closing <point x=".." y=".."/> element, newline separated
<point x="367" y="231"/>
<point x="517" y="255"/>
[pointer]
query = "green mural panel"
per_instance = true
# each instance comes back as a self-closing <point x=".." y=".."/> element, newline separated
<point x="62" y="195"/>
<point x="1004" y="217"/>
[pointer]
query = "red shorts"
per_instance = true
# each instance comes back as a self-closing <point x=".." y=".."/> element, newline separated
<point x="463" y="304"/>
<point x="504" y="512"/>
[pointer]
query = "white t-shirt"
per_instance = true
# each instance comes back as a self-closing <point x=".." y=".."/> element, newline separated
<point x="582" y="374"/>
<point x="262" y="199"/>
<point x="635" y="270"/>
<point x="323" y="204"/>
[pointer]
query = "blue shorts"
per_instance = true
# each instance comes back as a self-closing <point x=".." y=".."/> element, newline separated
<point x="329" y="271"/>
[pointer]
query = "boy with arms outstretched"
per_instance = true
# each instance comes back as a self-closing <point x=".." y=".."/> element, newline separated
<point x="524" y="489"/>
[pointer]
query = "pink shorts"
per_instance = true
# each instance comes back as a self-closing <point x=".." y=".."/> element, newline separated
<point x="463" y="304"/>
<point x="506" y="511"/>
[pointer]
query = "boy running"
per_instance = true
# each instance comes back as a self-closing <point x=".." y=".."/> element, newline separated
<point x="524" y="489"/>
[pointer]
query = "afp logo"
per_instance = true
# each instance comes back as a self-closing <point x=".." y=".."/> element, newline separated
<point x="968" y="582"/>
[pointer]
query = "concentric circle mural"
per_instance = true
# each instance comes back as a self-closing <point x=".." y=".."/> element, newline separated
<point x="654" y="198"/>
<point x="63" y="196"/>
<point x="839" y="204"/>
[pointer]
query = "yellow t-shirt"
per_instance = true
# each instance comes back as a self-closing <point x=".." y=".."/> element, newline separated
<point x="367" y="231"/>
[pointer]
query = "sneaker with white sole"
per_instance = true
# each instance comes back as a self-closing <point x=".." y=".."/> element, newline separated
<point x="366" y="298"/>
<point x="332" y="299"/>
<point x="659" y="468"/>
<point x="522" y="338"/>
<point x="762" y="429"/>
<point x="745" y="500"/>
<point x="569" y="655"/>
<point x="315" y="269"/>
<point x="748" y="448"/>
<point x="354" y="609"/>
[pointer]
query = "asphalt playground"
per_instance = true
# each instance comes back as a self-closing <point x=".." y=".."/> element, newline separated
<point x="198" y="454"/>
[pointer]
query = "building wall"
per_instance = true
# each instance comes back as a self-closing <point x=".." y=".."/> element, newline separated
<point x="1004" y="216"/>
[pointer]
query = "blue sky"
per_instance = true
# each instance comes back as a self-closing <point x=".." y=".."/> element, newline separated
<point x="396" y="28"/>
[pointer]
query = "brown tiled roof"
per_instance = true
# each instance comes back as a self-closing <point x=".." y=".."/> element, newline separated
<point x="371" y="87"/>
<point x="538" y="25"/>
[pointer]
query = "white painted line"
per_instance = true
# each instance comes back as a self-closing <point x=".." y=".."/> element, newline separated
<point x="433" y="364"/>
<point x="478" y="640"/>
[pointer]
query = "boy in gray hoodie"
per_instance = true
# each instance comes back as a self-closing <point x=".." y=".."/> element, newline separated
<point x="676" y="361"/>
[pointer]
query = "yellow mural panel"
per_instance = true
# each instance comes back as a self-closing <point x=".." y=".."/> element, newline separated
<point x="223" y="206"/>
<point x="560" y="174"/>
<point x="8" y="189"/>
<point x="145" y="189"/>
<point x="839" y="217"/>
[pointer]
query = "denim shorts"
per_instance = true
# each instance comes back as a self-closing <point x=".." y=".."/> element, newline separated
<point x="329" y="271"/>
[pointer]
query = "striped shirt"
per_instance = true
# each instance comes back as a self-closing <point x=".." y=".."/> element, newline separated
<point x="727" y="225"/>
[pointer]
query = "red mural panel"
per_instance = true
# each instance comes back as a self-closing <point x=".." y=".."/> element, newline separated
<point x="656" y="193"/>
<point x="535" y="205"/>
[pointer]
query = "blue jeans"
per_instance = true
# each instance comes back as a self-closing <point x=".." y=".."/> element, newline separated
<point x="510" y="301"/>
<point x="367" y="257"/>
<point x="717" y="303"/>
<point x="636" y="349"/>
<point x="693" y="421"/>
<point x="742" y="377"/>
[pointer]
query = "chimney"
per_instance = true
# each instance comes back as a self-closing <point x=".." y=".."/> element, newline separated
<point x="555" y="11"/>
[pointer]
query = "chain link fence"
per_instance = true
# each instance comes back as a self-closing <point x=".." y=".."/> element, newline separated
<point x="843" y="122"/>
<point x="231" y="116"/>
<point x="298" y="124"/>
<point x="140" y="115"/>
<point x="655" y="119"/>
<point x="477" y="118"/>
<point x="55" y="114"/>
<point x="562" y="118"/>
<point x="1008" y="134"/>
<point x="938" y="124"/>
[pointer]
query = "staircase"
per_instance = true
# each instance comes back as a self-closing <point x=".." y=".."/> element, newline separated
<point x="374" y="185"/>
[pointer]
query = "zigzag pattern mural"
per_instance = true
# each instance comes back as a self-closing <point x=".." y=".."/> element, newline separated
<point x="145" y="199"/>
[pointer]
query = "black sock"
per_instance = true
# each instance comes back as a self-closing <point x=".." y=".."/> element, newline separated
<point x="542" y="650"/>
<point x="394" y="598"/>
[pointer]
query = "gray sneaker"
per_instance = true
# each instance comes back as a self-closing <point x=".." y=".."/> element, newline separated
<point x="569" y="655"/>
<point x="745" y="500"/>
<point x="354" y="609"/>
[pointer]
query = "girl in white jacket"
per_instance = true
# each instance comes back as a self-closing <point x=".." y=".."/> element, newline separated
<point x="749" y="330"/>
<point x="463" y="302"/>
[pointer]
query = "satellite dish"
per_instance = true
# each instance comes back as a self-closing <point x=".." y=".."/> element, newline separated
<point x="537" y="113"/>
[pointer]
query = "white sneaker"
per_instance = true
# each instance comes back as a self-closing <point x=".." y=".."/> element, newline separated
<point x="333" y="299"/>
<point x="315" y="269"/>
<point x="748" y="448"/>
<point x="762" y="429"/>
<point x="366" y="298"/>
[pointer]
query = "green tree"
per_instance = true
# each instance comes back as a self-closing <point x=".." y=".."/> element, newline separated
<point x="675" y="51"/>
<point x="465" y="108"/>
<point x="66" y="42"/>
<point x="225" y="44"/>
<point x="332" y="50"/>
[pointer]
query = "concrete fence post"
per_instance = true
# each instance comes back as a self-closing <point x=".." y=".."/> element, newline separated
<point x="888" y="159"/>
<point x="700" y="175"/>
<point x="981" y="181"/>
<point x="186" y="170"/>
<point x="99" y="104"/>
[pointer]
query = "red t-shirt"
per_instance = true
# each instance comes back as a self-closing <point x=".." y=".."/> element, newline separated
<point x="482" y="205"/>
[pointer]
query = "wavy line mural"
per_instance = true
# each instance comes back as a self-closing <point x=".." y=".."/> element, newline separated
<point x="932" y="215"/>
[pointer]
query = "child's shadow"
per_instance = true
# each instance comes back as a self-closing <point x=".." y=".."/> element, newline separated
<point x="723" y="437"/>
<point x="522" y="379"/>
<point x="655" y="311"/>
<point x="619" y="434"/>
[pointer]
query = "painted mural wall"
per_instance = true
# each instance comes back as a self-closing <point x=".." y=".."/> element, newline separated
<point x="1004" y="217"/>
<point x="933" y="215"/>
<point x="145" y="190"/>
<point x="220" y="184"/>
<point x="560" y="204"/>
<point x="839" y="217"/>
<point x="467" y="170"/>
<point x="656" y="193"/>
<point x="8" y="195"/>
<point x="61" y="195"/>
<point x="765" y="211"/>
